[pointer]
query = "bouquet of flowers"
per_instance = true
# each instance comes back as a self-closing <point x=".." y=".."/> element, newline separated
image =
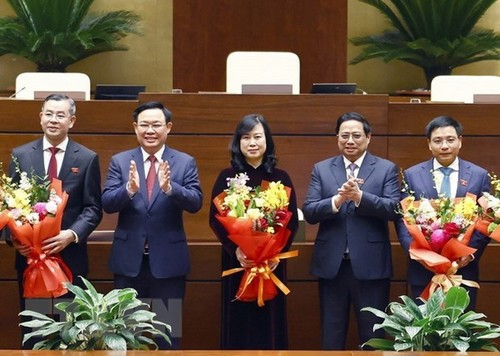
<point x="256" y="220"/>
<point x="489" y="221"/>
<point x="441" y="230"/>
<point x="32" y="209"/>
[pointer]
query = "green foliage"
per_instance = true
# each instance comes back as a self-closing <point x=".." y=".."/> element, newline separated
<point x="440" y="324"/>
<point x="115" y="321"/>
<point x="56" y="33"/>
<point x="436" y="36"/>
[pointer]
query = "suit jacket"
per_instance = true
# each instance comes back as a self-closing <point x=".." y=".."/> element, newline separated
<point x="158" y="222"/>
<point x="364" y="229"/>
<point x="81" y="179"/>
<point x="471" y="179"/>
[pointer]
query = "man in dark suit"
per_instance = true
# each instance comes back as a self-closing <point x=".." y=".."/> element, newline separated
<point x="352" y="196"/>
<point x="444" y="137"/>
<point x="78" y="169"/>
<point x="150" y="187"/>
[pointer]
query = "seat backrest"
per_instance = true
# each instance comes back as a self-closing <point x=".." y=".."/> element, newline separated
<point x="461" y="88"/>
<point x="277" y="70"/>
<point x="38" y="85"/>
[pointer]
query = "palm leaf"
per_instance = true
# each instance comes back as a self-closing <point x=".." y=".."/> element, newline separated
<point x="436" y="35"/>
<point x="57" y="33"/>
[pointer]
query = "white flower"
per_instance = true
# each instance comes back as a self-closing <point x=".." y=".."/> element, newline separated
<point x="25" y="183"/>
<point x="254" y="214"/>
<point x="51" y="207"/>
<point x="33" y="218"/>
<point x="259" y="202"/>
<point x="426" y="211"/>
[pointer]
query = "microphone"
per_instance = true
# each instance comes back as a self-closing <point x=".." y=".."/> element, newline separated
<point x="17" y="92"/>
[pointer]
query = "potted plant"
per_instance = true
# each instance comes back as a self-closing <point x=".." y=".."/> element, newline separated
<point x="56" y="33"/>
<point x="439" y="324"/>
<point x="436" y="36"/>
<point x="115" y="321"/>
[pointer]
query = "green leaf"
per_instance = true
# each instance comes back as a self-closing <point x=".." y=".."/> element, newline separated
<point x="433" y="35"/>
<point x="57" y="33"/>
<point x="413" y="331"/>
<point x="114" y="342"/>
<point x="379" y="344"/>
<point x="95" y="321"/>
<point x="460" y="345"/>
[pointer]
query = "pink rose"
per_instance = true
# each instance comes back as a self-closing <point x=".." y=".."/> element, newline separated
<point x="438" y="239"/>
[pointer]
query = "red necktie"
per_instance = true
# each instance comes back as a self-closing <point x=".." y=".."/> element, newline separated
<point x="52" y="168"/>
<point x="150" y="180"/>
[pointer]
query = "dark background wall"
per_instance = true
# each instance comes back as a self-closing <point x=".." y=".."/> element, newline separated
<point x="206" y="31"/>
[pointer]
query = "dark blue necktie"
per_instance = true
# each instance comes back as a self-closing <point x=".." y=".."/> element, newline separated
<point x="445" y="184"/>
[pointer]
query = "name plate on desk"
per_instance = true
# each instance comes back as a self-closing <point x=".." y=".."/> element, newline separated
<point x="75" y="95"/>
<point x="266" y="89"/>
<point x="486" y="99"/>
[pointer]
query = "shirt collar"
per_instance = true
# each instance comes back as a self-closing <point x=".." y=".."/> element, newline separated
<point x="62" y="146"/>
<point x="158" y="154"/>
<point x="454" y="165"/>
<point x="358" y="162"/>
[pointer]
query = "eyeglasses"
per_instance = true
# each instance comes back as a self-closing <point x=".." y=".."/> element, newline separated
<point x="450" y="141"/>
<point x="356" y="136"/>
<point x="50" y="115"/>
<point x="154" y="127"/>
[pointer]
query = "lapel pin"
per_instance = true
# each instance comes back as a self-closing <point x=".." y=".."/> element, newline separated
<point x="464" y="182"/>
<point x="75" y="170"/>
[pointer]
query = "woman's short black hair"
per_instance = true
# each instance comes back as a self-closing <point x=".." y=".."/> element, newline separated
<point x="245" y="126"/>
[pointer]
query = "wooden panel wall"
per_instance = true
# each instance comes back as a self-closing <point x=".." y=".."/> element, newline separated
<point x="206" y="31"/>
<point x="303" y="128"/>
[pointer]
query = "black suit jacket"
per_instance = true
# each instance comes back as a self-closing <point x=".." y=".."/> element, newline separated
<point x="81" y="179"/>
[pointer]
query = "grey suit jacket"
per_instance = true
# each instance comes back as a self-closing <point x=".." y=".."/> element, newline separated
<point x="159" y="221"/>
<point x="364" y="229"/>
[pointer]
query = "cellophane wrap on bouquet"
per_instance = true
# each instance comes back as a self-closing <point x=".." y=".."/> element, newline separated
<point x="441" y="230"/>
<point x="33" y="212"/>
<point x="256" y="221"/>
<point x="489" y="222"/>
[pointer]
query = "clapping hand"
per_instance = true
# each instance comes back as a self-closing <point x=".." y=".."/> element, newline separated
<point x="164" y="176"/>
<point x="350" y="190"/>
<point x="133" y="178"/>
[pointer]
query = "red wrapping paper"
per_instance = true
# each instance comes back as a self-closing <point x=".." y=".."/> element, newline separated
<point x="442" y="264"/>
<point x="45" y="274"/>
<point x="257" y="283"/>
<point x="483" y="223"/>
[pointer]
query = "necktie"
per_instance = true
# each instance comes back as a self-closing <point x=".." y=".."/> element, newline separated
<point x="52" y="168"/>
<point x="445" y="184"/>
<point x="352" y="169"/>
<point x="150" y="179"/>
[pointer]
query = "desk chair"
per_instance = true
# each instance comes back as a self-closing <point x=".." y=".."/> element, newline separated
<point x="38" y="85"/>
<point x="461" y="88"/>
<point x="265" y="72"/>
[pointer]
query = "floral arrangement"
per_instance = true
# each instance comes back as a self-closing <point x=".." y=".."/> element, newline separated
<point x="441" y="219"/>
<point x="489" y="222"/>
<point x="32" y="209"/>
<point x="256" y="219"/>
<point x="266" y="208"/>
<point x="441" y="229"/>
<point x="28" y="201"/>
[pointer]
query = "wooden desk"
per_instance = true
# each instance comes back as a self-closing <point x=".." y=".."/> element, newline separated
<point x="303" y="127"/>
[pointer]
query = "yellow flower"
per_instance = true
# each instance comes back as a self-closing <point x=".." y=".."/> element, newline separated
<point x="275" y="196"/>
<point x="467" y="208"/>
